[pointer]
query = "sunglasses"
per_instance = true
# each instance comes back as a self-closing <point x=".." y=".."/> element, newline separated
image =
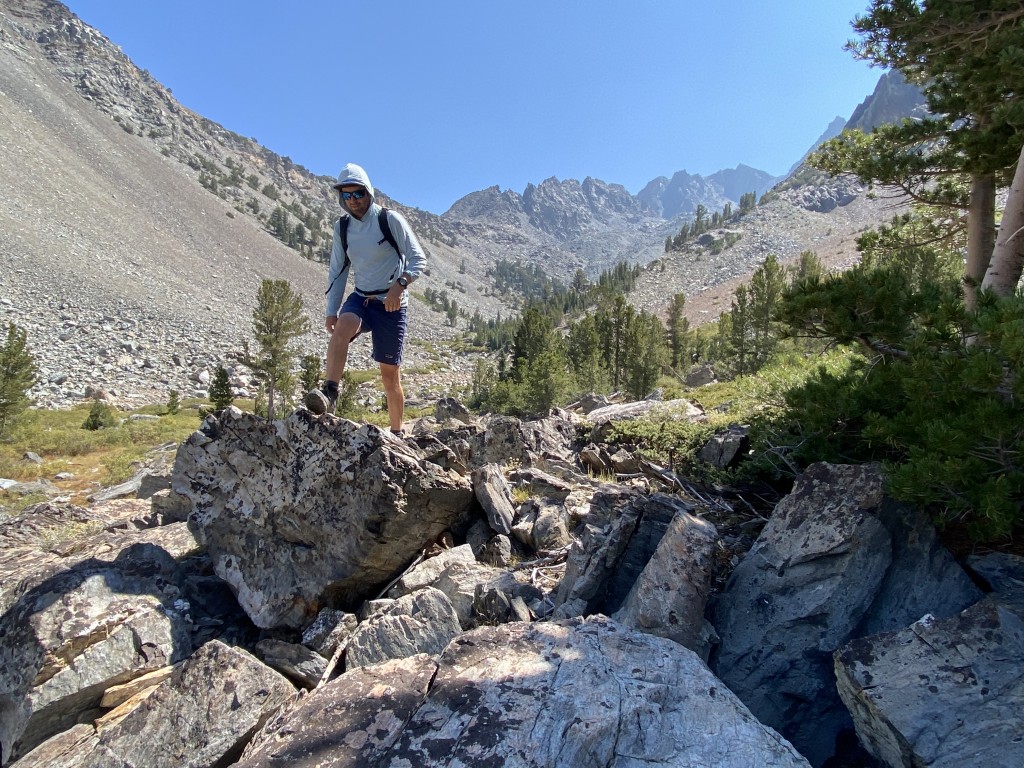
<point x="359" y="194"/>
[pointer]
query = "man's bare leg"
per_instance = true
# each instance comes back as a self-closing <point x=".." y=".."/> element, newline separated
<point x="345" y="329"/>
<point x="391" y="377"/>
<point x="342" y="329"/>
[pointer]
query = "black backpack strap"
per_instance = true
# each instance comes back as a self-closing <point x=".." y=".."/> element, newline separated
<point x="385" y="229"/>
<point x="343" y="236"/>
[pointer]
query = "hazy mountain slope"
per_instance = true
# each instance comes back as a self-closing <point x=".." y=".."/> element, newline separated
<point x="780" y="227"/>
<point x="115" y="260"/>
<point x="738" y="181"/>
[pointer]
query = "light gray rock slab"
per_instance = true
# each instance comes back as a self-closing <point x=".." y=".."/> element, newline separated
<point x="495" y="496"/>
<point x="352" y="722"/>
<point x="943" y="693"/>
<point x="75" y="626"/>
<point x="428" y="571"/>
<point x="542" y="525"/>
<point x="64" y="750"/>
<point x="608" y="558"/>
<point x="604" y="418"/>
<point x="204" y="713"/>
<point x="330" y="629"/>
<point x="422" y="622"/>
<point x="294" y="661"/>
<point x="461" y="581"/>
<point x="569" y="694"/>
<point x="671" y="594"/>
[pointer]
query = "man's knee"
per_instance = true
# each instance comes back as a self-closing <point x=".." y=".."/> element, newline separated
<point x="347" y="327"/>
<point x="391" y="376"/>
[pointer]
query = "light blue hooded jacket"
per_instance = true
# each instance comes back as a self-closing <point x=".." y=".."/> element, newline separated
<point x="373" y="262"/>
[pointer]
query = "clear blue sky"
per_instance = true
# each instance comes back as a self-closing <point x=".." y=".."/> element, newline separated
<point x="440" y="99"/>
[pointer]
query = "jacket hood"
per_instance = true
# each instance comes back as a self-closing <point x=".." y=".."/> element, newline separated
<point x="354" y="174"/>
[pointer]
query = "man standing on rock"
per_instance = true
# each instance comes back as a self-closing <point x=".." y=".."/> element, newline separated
<point x="378" y="246"/>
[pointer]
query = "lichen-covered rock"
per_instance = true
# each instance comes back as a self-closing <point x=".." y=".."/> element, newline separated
<point x="352" y="722"/>
<point x="495" y="497"/>
<point x="422" y="622"/>
<point x="205" y="712"/>
<point x="672" y="592"/>
<point x="613" y="550"/>
<point x="574" y="695"/>
<point x="74" y="626"/>
<point x="307" y="512"/>
<point x="837" y="560"/>
<point x="942" y="693"/>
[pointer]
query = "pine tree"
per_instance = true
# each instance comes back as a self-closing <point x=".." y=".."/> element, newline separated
<point x="219" y="391"/>
<point x="767" y="285"/>
<point x="678" y="330"/>
<point x="740" y="332"/>
<point x="277" y="319"/>
<point x="699" y="223"/>
<point x="583" y="349"/>
<point x="646" y="342"/>
<point x="278" y="223"/>
<point x="312" y="371"/>
<point x="534" y="334"/>
<point x="967" y="57"/>
<point x="622" y="315"/>
<point x="808" y="268"/>
<point x="101" y="416"/>
<point x="17" y="375"/>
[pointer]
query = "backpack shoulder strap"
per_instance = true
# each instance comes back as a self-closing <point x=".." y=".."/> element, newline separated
<point x="385" y="229"/>
<point x="343" y="237"/>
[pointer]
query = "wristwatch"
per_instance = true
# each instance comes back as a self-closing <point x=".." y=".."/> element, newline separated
<point x="403" y="281"/>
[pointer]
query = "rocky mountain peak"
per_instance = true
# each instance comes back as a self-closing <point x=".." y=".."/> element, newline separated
<point x="487" y="202"/>
<point x="682" y="194"/>
<point x="892" y="100"/>
<point x="741" y="180"/>
<point x="559" y="208"/>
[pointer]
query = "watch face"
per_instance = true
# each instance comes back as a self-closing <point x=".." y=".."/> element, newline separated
<point x="404" y="282"/>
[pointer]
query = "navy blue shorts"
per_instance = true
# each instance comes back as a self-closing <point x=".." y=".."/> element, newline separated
<point x="387" y="329"/>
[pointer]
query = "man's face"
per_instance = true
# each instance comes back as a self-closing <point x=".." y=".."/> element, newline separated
<point x="355" y="199"/>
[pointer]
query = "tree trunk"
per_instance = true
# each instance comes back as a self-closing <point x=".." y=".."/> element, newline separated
<point x="981" y="235"/>
<point x="1004" y="270"/>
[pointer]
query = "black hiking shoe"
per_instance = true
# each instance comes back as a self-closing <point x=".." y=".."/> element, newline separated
<point x="319" y="402"/>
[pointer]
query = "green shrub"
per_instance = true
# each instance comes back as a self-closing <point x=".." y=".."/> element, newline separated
<point x="100" y="416"/>
<point x="311" y="372"/>
<point x="934" y="394"/>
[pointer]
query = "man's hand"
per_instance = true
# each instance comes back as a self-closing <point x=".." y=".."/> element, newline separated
<point x="330" y="322"/>
<point x="393" y="301"/>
